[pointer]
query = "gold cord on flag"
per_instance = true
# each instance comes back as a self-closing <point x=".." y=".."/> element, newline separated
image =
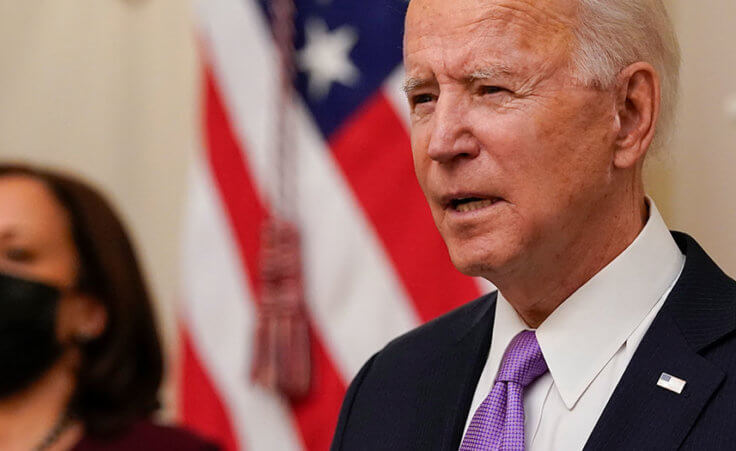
<point x="282" y="359"/>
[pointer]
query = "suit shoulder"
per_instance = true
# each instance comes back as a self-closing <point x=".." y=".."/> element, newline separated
<point x="393" y="397"/>
<point x="443" y="330"/>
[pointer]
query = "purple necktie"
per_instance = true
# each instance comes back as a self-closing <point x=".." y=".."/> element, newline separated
<point x="498" y="424"/>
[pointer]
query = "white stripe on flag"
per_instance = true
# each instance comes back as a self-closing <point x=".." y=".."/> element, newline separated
<point x="220" y="314"/>
<point x="243" y="60"/>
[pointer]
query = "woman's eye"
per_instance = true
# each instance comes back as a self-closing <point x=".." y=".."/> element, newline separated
<point x="18" y="254"/>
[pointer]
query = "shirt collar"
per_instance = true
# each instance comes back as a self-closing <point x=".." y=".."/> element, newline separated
<point x="606" y="310"/>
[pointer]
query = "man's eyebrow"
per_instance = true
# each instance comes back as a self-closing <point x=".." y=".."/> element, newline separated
<point x="413" y="83"/>
<point x="490" y="73"/>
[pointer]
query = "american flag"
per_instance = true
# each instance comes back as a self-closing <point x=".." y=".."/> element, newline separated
<point x="374" y="264"/>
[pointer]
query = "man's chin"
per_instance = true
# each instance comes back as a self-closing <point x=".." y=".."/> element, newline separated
<point x="485" y="253"/>
<point x="479" y="264"/>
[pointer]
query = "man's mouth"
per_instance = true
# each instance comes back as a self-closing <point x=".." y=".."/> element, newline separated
<point x="467" y="204"/>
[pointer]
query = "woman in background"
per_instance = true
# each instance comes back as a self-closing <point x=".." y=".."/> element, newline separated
<point x="80" y="360"/>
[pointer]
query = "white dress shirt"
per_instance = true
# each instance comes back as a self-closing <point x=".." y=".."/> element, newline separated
<point x="588" y="340"/>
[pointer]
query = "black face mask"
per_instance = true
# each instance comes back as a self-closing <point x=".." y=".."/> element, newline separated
<point x="28" y="343"/>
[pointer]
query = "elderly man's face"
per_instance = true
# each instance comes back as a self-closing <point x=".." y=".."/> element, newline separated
<point x="511" y="152"/>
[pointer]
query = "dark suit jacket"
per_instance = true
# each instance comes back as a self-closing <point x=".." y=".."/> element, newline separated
<point x="415" y="394"/>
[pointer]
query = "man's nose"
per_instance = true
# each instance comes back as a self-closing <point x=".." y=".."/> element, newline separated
<point x="452" y="136"/>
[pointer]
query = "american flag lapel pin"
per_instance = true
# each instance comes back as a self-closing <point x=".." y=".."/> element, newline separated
<point x="671" y="383"/>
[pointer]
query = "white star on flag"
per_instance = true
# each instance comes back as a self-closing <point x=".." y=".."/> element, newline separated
<point x="325" y="57"/>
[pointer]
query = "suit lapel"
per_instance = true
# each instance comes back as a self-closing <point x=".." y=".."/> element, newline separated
<point x="641" y="415"/>
<point x="699" y="311"/>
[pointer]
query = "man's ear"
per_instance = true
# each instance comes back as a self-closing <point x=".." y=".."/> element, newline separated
<point x="638" y="100"/>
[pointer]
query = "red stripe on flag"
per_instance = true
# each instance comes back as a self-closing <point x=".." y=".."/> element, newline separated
<point x="316" y="415"/>
<point x="374" y="152"/>
<point x="200" y="407"/>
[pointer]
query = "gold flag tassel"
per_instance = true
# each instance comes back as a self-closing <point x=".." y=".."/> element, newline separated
<point x="282" y="357"/>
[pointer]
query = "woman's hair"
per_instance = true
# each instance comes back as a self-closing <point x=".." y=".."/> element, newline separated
<point x="121" y="370"/>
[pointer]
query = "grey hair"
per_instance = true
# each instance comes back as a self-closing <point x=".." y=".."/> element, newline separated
<point x="612" y="34"/>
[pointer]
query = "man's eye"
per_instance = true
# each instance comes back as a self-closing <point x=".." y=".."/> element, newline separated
<point x="421" y="98"/>
<point x="492" y="89"/>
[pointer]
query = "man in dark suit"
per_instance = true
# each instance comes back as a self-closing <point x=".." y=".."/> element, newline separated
<point x="530" y="123"/>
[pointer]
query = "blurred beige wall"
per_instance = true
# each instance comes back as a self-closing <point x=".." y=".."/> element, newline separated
<point x="693" y="182"/>
<point x="107" y="88"/>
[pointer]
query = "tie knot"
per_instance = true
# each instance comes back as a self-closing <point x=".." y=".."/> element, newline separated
<point x="523" y="361"/>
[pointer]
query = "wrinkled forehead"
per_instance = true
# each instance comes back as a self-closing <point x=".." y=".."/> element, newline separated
<point x="539" y="26"/>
